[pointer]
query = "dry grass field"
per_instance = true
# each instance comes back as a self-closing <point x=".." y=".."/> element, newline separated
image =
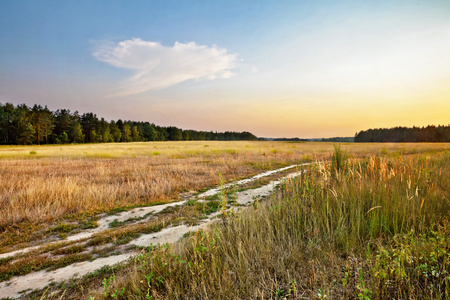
<point x="43" y="184"/>
<point x="362" y="194"/>
<point x="91" y="178"/>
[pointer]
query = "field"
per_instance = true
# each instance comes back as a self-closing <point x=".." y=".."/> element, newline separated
<point x="47" y="184"/>
<point x="364" y="221"/>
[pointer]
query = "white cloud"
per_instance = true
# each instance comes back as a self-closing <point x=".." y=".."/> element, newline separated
<point x="158" y="67"/>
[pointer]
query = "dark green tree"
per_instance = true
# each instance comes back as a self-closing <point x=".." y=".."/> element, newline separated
<point x="135" y="135"/>
<point x="89" y="122"/>
<point x="76" y="133"/>
<point x="126" y="132"/>
<point x="148" y="132"/>
<point x="185" y="135"/>
<point x="116" y="133"/>
<point x="42" y="121"/>
<point x="175" y="134"/>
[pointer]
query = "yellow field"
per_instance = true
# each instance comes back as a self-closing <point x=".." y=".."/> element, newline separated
<point x="41" y="184"/>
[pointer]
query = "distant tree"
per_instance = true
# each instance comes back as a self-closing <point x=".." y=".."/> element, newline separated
<point x="96" y="137"/>
<point x="104" y="130"/>
<point x="148" y="131"/>
<point x="76" y="133"/>
<point x="63" y="121"/>
<point x="404" y="134"/>
<point x="64" y="138"/>
<point x="116" y="132"/>
<point x="89" y="122"/>
<point x="126" y="133"/>
<point x="162" y="134"/>
<point x="25" y="125"/>
<point x="135" y="135"/>
<point x="7" y="130"/>
<point x="42" y="121"/>
<point x="20" y="130"/>
<point x="175" y="134"/>
<point x="185" y="135"/>
<point x="26" y="133"/>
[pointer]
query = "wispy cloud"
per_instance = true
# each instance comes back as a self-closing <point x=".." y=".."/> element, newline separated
<point x="158" y="67"/>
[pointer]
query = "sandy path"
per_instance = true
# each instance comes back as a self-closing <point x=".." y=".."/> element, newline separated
<point x="15" y="287"/>
<point x="103" y="225"/>
<point x="215" y="191"/>
<point x="18" y="286"/>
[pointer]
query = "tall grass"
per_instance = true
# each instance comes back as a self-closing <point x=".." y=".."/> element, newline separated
<point x="379" y="230"/>
<point x="338" y="160"/>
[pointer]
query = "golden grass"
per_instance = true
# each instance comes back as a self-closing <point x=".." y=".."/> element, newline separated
<point x="79" y="179"/>
<point x="58" y="181"/>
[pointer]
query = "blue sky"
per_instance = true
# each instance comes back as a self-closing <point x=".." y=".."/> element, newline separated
<point x="275" y="68"/>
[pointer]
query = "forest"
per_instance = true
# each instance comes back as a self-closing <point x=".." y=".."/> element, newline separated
<point x="24" y="125"/>
<point x="429" y="134"/>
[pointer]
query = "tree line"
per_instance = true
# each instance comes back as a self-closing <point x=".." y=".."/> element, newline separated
<point x="429" y="134"/>
<point x="24" y="125"/>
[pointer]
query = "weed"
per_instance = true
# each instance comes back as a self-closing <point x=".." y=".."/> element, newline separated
<point x="115" y="224"/>
<point x="191" y="202"/>
<point x="107" y="283"/>
<point x="321" y="294"/>
<point x="414" y="266"/>
<point x="278" y="293"/>
<point x="211" y="207"/>
<point x="338" y="160"/>
<point x="125" y="239"/>
<point x="89" y="223"/>
<point x="307" y="158"/>
<point x="63" y="228"/>
<point x="6" y="260"/>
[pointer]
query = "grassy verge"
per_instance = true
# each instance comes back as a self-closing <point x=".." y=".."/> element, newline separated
<point x="374" y="229"/>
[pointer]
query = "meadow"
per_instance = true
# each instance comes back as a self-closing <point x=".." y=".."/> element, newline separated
<point x="363" y="225"/>
<point x="375" y="227"/>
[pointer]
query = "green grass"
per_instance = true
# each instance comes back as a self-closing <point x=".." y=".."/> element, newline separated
<point x="211" y="207"/>
<point x="116" y="223"/>
<point x="64" y="228"/>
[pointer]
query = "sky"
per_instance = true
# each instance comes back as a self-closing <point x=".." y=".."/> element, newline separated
<point x="306" y="69"/>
